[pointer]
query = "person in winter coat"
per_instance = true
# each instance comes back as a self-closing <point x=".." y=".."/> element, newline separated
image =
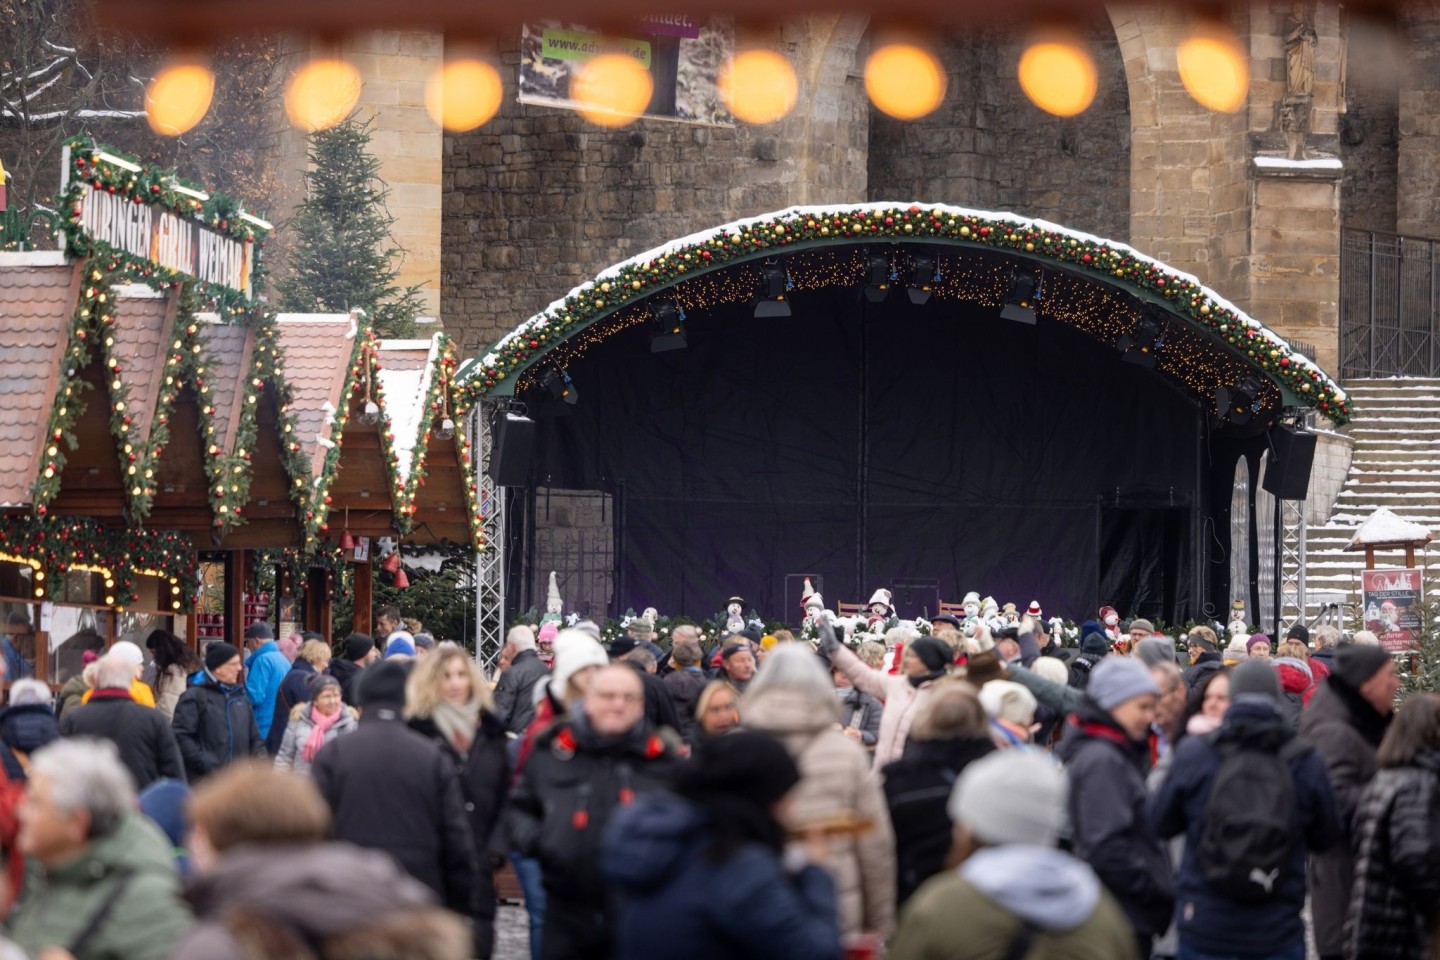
<point x="1213" y="920"/>
<point x="1106" y="752"/>
<point x="271" y="887"/>
<point x="26" y="725"/>
<point x="359" y="652"/>
<point x="581" y="770"/>
<point x="1297" y="682"/>
<point x="1205" y="658"/>
<point x="175" y="663"/>
<point x="793" y="700"/>
<point x="73" y="691"/>
<point x="144" y="740"/>
<point x="106" y="887"/>
<point x="687" y="680"/>
<point x="1395" y="903"/>
<point x="448" y="700"/>
<point x="310" y="726"/>
<point x="515" y="693"/>
<point x="950" y="733"/>
<point x="859" y="712"/>
<point x="660" y="710"/>
<point x="298" y="687"/>
<point x="140" y="691"/>
<point x="700" y="871"/>
<point x="392" y="789"/>
<point x="924" y="661"/>
<point x="1014" y="894"/>
<point x="265" y="670"/>
<point x="214" y="724"/>
<point x="1346" y="720"/>
<point x="1093" y="648"/>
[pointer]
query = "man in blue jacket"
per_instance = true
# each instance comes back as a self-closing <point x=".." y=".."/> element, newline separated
<point x="265" y="670"/>
<point x="1215" y="921"/>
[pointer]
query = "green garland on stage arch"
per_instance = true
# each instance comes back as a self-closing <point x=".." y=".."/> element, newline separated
<point x="1112" y="263"/>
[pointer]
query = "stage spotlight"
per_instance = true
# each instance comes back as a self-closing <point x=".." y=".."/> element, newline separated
<point x="667" y="327"/>
<point x="1237" y="404"/>
<point x="1020" y="304"/>
<point x="774" y="286"/>
<point x="924" y="274"/>
<point x="558" y="385"/>
<point x="878" y="275"/>
<point x="1141" y="344"/>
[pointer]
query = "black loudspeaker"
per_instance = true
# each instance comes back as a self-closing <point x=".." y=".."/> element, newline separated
<point x="1292" y="453"/>
<point x="510" y="450"/>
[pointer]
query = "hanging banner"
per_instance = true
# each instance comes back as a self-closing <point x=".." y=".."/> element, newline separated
<point x="684" y="55"/>
<point x="1391" y="600"/>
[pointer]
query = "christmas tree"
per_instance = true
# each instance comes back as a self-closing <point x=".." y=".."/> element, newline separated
<point x="343" y="256"/>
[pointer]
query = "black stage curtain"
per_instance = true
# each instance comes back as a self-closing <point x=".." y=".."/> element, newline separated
<point x="871" y="443"/>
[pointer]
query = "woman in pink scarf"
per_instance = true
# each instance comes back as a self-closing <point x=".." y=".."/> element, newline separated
<point x="314" y="724"/>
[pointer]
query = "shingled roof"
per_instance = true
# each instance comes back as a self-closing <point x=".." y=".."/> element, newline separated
<point x="37" y="299"/>
<point x="143" y="319"/>
<point x="315" y="355"/>
<point x="229" y="347"/>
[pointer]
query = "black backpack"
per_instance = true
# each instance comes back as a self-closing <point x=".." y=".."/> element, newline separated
<point x="1251" y="824"/>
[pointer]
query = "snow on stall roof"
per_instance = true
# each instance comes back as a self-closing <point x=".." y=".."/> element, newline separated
<point x="540" y="320"/>
<point x="405" y="398"/>
<point x="1385" y="527"/>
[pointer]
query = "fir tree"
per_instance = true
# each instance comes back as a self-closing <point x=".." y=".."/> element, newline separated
<point x="343" y="256"/>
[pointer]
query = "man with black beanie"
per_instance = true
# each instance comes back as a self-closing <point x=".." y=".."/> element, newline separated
<point x="1346" y="721"/>
<point x="393" y="789"/>
<point x="214" y="723"/>
<point x="357" y="653"/>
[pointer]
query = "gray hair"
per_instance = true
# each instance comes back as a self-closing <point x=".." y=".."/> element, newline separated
<point x="794" y="667"/>
<point x="1170" y="671"/>
<point x="641" y="656"/>
<point x="897" y="635"/>
<point x="86" y="774"/>
<point x="1365" y="638"/>
<point x="1325" y="635"/>
<point x="521" y="638"/>
<point x="29" y="691"/>
<point x="114" y="673"/>
<point x="685" y="632"/>
<point x="686" y="650"/>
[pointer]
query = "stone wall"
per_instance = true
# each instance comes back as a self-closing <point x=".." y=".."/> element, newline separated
<point x="1370" y="125"/>
<point x="539" y="200"/>
<point x="1418" y="210"/>
<point x="987" y="146"/>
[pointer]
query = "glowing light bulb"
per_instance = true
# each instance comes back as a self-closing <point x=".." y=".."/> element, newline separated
<point x="179" y="96"/>
<point x="612" y="89"/>
<point x="1214" y="68"/>
<point x="904" y="80"/>
<point x="322" y="93"/>
<point x="1058" y="76"/>
<point x="463" y="94"/>
<point x="759" y="86"/>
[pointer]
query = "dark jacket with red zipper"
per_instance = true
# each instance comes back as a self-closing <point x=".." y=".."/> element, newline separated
<point x="1109" y="820"/>
<point x="573" y="781"/>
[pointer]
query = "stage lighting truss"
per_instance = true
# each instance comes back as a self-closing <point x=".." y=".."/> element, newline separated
<point x="667" y="327"/>
<point x="1140" y="345"/>
<point x="924" y="274"/>
<point x="879" y="275"/>
<point x="1238" y="403"/>
<point x="1025" y="291"/>
<point x="775" y="285"/>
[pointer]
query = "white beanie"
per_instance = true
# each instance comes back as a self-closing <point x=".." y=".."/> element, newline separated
<point x="1052" y="669"/>
<point x="1008" y="700"/>
<point x="1011" y="796"/>
<point x="574" y="651"/>
<point x="128" y="652"/>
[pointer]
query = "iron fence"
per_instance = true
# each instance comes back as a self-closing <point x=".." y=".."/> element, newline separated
<point x="1388" y="323"/>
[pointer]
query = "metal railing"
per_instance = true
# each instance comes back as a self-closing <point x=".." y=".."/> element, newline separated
<point x="1388" y="322"/>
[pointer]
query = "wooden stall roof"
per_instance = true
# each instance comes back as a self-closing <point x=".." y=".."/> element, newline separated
<point x="230" y="347"/>
<point x="38" y="293"/>
<point x="406" y="368"/>
<point x="316" y="350"/>
<point x="143" y="320"/>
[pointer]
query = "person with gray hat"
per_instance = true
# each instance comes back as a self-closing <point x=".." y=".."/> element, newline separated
<point x="1013" y="894"/>
<point x="1251" y="799"/>
<point x="1106" y="752"/>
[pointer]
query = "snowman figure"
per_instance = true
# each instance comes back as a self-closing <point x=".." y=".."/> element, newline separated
<point x="554" y="606"/>
<point x="814" y="605"/>
<point x="1110" y="619"/>
<point x="1237" y="627"/>
<point x="880" y="612"/>
<point x="734" y="615"/>
<point x="971" y="605"/>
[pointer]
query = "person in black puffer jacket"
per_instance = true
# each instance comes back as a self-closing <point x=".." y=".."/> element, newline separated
<point x="1395" y="903"/>
<point x="26" y="725"/>
<point x="1093" y="648"/>
<point x="581" y="771"/>
<point x="1106" y="752"/>
<point x="214" y="723"/>
<point x="448" y="700"/>
<point x="949" y="733"/>
<point x="359" y="651"/>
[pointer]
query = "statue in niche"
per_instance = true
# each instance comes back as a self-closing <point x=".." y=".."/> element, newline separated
<point x="1300" y="42"/>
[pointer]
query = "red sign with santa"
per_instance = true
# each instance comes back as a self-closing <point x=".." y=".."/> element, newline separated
<point x="1391" y="600"/>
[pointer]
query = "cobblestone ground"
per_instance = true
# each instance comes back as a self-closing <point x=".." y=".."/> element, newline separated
<point x="512" y="933"/>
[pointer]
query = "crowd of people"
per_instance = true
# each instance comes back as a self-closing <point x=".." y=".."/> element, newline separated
<point x="966" y="794"/>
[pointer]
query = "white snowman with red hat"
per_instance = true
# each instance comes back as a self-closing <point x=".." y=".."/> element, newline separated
<point x="1110" y="620"/>
<point x="813" y="604"/>
<point x="881" y="611"/>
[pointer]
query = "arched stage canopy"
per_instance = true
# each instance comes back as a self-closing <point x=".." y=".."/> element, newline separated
<point x="889" y="423"/>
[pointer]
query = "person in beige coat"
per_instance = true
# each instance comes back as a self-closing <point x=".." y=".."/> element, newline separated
<point x="924" y="661"/>
<point x="792" y="699"/>
<point x="174" y="663"/>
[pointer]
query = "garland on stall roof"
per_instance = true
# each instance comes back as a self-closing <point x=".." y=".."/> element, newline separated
<point x="800" y="228"/>
<point x="52" y="547"/>
<point x="162" y="188"/>
<point x="471" y="480"/>
<point x="434" y="406"/>
<point x="402" y="496"/>
<point x="265" y="367"/>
